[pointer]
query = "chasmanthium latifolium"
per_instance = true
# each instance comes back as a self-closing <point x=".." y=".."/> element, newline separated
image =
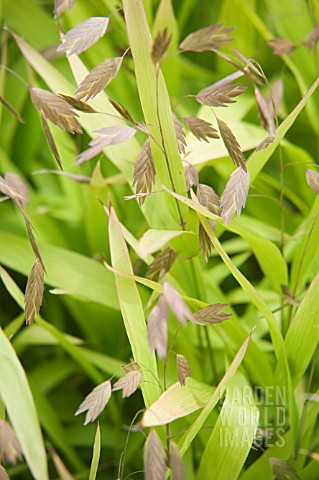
<point x="65" y="111"/>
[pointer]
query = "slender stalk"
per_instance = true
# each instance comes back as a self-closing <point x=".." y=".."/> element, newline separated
<point x="167" y="428"/>
<point x="123" y="454"/>
<point x="304" y="408"/>
<point x="284" y="319"/>
<point x="281" y="200"/>
<point x="301" y="263"/>
<point x="199" y="328"/>
<point x="211" y="355"/>
<point x="15" y="74"/>
<point x="4" y="54"/>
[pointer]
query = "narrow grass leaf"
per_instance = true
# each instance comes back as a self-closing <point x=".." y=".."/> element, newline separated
<point x="202" y="129"/>
<point x="303" y="333"/>
<point x="86" y="279"/>
<point x="157" y="111"/>
<point x="95" y="402"/>
<point x="155" y="458"/>
<point x="131" y="308"/>
<point x="98" y="78"/>
<point x="183" y="369"/>
<point x="129" y="383"/>
<point x="34" y="292"/>
<point x="23" y="416"/>
<point x="61" y="469"/>
<point x="281" y="449"/>
<point x="235" y="194"/>
<point x="214" y="398"/>
<point x="96" y="454"/>
<point x="238" y="421"/>
<point x="231" y="144"/>
<point x="208" y="38"/>
<point x="154" y="240"/>
<point x="156" y="287"/>
<point x="12" y="288"/>
<point x="177" y="402"/>
<point x="83" y="36"/>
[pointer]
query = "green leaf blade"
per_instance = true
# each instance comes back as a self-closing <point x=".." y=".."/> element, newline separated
<point x="233" y="434"/>
<point x="16" y="393"/>
<point x="132" y="309"/>
<point x="303" y="333"/>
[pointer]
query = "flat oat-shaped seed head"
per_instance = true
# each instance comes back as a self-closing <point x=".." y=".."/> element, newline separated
<point x="34" y="291"/>
<point x="155" y="458"/>
<point x="144" y="171"/>
<point x="235" y="194"/>
<point x="207" y="38"/>
<point x="157" y="328"/>
<point x="99" y="78"/>
<point x="129" y="383"/>
<point x="83" y="36"/>
<point x="56" y="109"/>
<point x="95" y="402"/>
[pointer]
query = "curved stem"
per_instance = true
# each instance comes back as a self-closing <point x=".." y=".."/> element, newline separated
<point x="15" y="74"/>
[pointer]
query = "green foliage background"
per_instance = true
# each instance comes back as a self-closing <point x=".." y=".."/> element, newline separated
<point x="80" y="340"/>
